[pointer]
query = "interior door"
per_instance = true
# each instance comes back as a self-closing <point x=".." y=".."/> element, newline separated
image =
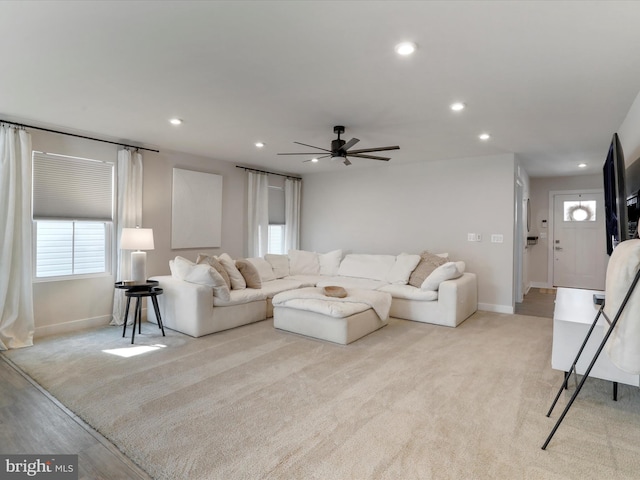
<point x="579" y="245"/>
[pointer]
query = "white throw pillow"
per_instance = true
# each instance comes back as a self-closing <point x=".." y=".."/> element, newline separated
<point x="202" y="274"/>
<point x="401" y="270"/>
<point x="302" y="262"/>
<point x="374" y="267"/>
<point x="448" y="271"/>
<point x="237" y="280"/>
<point x="330" y="262"/>
<point x="279" y="263"/>
<point x="264" y="268"/>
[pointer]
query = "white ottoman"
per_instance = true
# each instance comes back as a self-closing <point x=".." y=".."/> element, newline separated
<point x="307" y="311"/>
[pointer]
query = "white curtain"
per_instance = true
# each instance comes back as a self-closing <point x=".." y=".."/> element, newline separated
<point x="292" y="189"/>
<point x="258" y="214"/>
<point x="17" y="322"/>
<point x="129" y="215"/>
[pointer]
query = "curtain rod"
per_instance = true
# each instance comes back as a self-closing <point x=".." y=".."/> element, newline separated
<point x="79" y="136"/>
<point x="268" y="173"/>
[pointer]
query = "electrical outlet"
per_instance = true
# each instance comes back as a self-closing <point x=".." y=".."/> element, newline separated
<point x="497" y="238"/>
<point x="471" y="237"/>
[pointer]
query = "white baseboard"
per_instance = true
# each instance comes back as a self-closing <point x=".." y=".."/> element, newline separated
<point x="72" y="326"/>
<point x="489" y="307"/>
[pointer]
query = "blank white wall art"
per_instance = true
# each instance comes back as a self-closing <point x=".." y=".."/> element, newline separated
<point x="196" y="209"/>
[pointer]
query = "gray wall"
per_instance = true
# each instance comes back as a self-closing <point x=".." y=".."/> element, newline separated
<point x="421" y="206"/>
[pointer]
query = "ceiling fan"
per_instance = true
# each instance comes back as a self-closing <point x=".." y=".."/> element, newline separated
<point x="340" y="149"/>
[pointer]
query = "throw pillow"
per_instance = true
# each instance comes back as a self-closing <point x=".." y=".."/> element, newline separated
<point x="202" y="274"/>
<point x="264" y="269"/>
<point x="428" y="263"/>
<point x="448" y="271"/>
<point x="215" y="263"/>
<point x="279" y="263"/>
<point x="330" y="262"/>
<point x="237" y="280"/>
<point x="302" y="262"/>
<point x="249" y="272"/>
<point x="401" y="270"/>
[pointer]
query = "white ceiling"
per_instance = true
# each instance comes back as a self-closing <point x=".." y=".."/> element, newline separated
<point x="551" y="81"/>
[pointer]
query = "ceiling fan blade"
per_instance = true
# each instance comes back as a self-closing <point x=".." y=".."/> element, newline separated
<point x="324" y="149"/>
<point x="302" y="153"/>
<point x="324" y="156"/>
<point x="346" y="161"/>
<point x="372" y="157"/>
<point x="376" y="149"/>
<point x="350" y="144"/>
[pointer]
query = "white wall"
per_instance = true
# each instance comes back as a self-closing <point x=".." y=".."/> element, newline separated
<point x="409" y="208"/>
<point x="629" y="133"/>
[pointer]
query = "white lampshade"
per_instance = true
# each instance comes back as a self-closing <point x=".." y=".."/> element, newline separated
<point x="136" y="239"/>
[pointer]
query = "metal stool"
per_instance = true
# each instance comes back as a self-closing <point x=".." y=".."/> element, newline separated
<point x="153" y="292"/>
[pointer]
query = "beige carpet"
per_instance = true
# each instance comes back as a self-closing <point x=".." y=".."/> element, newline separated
<point x="409" y="401"/>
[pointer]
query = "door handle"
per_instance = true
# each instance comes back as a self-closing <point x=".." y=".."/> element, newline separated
<point x="558" y="248"/>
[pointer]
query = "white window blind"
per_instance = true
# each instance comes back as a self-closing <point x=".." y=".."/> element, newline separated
<point x="70" y="248"/>
<point x="276" y="239"/>
<point x="72" y="188"/>
<point x="276" y="205"/>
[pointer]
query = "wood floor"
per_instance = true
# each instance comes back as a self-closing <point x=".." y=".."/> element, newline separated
<point x="538" y="302"/>
<point x="33" y="422"/>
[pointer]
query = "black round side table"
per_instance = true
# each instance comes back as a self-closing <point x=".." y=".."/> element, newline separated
<point x="140" y="290"/>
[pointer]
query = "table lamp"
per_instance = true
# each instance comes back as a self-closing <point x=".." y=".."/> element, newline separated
<point x="137" y="239"/>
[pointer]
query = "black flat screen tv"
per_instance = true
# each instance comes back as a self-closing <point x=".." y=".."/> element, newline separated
<point x="615" y="196"/>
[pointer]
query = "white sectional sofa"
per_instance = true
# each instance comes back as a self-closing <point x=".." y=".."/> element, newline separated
<point x="197" y="303"/>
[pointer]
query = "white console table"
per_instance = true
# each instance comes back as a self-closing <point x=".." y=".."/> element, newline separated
<point x="573" y="315"/>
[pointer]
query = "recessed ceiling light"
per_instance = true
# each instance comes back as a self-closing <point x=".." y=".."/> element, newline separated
<point x="456" y="107"/>
<point x="484" y="136"/>
<point x="582" y="165"/>
<point x="314" y="160"/>
<point x="259" y="144"/>
<point x="406" y="48"/>
<point x="175" y="121"/>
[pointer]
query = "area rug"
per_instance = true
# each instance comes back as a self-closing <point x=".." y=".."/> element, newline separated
<point x="408" y="401"/>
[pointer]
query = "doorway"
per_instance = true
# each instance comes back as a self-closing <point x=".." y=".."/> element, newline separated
<point x="577" y="253"/>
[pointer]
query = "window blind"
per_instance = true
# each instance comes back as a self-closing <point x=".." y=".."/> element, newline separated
<point x="72" y="188"/>
<point x="276" y="205"/>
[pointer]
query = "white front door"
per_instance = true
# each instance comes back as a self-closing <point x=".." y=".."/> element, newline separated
<point x="579" y="245"/>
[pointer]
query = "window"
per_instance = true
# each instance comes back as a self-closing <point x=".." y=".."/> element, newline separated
<point x="70" y="248"/>
<point x="275" y="242"/>
<point x="580" y="211"/>
<point x="276" y="239"/>
<point x="72" y="213"/>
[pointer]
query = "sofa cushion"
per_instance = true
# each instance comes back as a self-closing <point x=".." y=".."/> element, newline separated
<point x="215" y="263"/>
<point x="302" y="262"/>
<point x="264" y="268"/>
<point x="401" y="270"/>
<point x="249" y="272"/>
<point x="237" y="280"/>
<point x="350" y="282"/>
<point x="428" y="263"/>
<point x="409" y="292"/>
<point x="448" y="271"/>
<point x="279" y="263"/>
<point x="202" y="274"/>
<point x="330" y="262"/>
<point x="279" y="285"/>
<point x="240" y="297"/>
<point x="373" y="267"/>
